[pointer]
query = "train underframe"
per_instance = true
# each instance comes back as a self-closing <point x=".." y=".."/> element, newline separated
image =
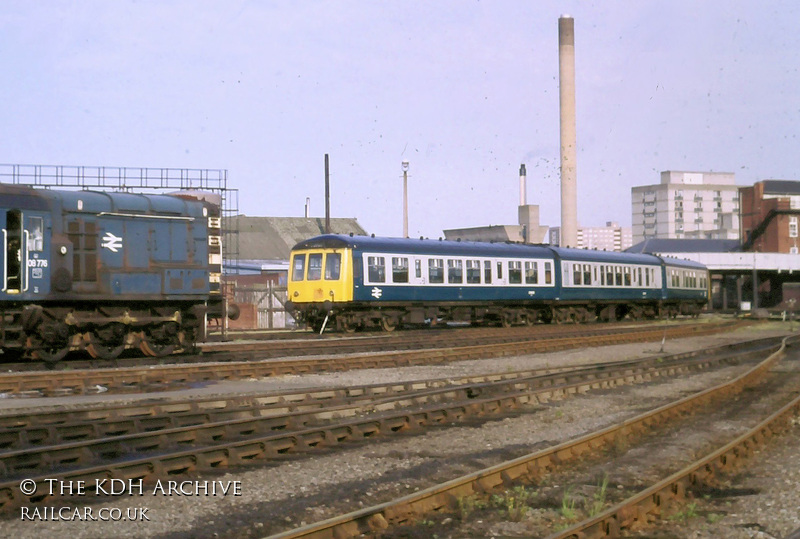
<point x="388" y="317"/>
<point x="48" y="331"/>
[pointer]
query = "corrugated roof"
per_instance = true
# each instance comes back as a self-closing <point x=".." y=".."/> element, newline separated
<point x="669" y="245"/>
<point x="272" y="238"/>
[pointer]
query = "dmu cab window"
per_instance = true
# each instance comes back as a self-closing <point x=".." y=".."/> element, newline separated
<point x="399" y="269"/>
<point x="298" y="267"/>
<point x="435" y="270"/>
<point x="455" y="271"/>
<point x="333" y="266"/>
<point x="314" y="267"/>
<point x="376" y="269"/>
<point x="515" y="272"/>
<point x="548" y="273"/>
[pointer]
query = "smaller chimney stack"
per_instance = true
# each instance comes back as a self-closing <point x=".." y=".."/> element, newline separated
<point x="523" y="185"/>
<point x="308" y="207"/>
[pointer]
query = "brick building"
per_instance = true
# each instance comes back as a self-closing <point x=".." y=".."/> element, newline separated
<point x="769" y="216"/>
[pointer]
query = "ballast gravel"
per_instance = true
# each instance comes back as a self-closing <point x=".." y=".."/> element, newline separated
<point x="300" y="490"/>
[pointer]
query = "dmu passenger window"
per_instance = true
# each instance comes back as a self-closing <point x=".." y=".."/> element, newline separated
<point x="548" y="273"/>
<point x="418" y="268"/>
<point x="487" y="272"/>
<point x="515" y="272"/>
<point x="587" y="275"/>
<point x="455" y="271"/>
<point x="435" y="270"/>
<point x="298" y="267"/>
<point x="333" y="266"/>
<point x="376" y="269"/>
<point x="628" y="277"/>
<point x="473" y="271"/>
<point x="531" y="273"/>
<point x="576" y="274"/>
<point x="314" y="267"/>
<point x="609" y="275"/>
<point x="399" y="269"/>
<point x="618" y="275"/>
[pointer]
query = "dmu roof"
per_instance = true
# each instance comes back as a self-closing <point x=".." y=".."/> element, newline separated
<point x="608" y="257"/>
<point x="424" y="246"/>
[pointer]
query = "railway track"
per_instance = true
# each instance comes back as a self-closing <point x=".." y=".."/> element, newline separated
<point x="147" y="442"/>
<point x="659" y="500"/>
<point x="152" y="377"/>
<point x="309" y="344"/>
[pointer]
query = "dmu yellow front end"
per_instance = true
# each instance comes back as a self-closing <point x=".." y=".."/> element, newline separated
<point x="319" y="277"/>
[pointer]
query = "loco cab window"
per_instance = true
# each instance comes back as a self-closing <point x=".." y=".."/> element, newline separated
<point x="298" y="267"/>
<point x="333" y="266"/>
<point x="36" y="237"/>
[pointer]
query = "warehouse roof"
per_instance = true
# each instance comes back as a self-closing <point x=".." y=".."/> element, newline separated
<point x="272" y="238"/>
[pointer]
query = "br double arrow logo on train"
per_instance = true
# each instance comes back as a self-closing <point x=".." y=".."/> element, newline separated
<point x="112" y="242"/>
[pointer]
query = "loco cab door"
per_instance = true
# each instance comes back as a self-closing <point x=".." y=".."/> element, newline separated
<point x="15" y="279"/>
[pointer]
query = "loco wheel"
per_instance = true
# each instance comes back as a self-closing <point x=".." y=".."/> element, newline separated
<point x="100" y="350"/>
<point x="158" y="342"/>
<point x="107" y="342"/>
<point x="50" y="353"/>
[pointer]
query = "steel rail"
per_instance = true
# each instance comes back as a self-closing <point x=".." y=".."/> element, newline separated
<point x="270" y="446"/>
<point x="653" y="502"/>
<point x="50" y="427"/>
<point x="136" y="377"/>
<point x="530" y="467"/>
<point x="312" y="344"/>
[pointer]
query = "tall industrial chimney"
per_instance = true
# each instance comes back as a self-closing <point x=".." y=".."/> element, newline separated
<point x="566" y="77"/>
<point x="523" y="185"/>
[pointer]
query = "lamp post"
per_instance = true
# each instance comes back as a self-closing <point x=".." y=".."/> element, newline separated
<point x="405" y="198"/>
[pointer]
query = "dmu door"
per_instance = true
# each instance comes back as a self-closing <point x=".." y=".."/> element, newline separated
<point x="24" y="264"/>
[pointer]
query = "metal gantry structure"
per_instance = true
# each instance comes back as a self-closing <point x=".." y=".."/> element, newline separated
<point x="140" y="180"/>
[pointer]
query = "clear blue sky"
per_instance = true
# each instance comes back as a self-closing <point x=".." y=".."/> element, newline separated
<point x="464" y="90"/>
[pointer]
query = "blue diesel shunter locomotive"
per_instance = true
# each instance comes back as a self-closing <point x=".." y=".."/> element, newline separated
<point x="357" y="281"/>
<point x="105" y="271"/>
